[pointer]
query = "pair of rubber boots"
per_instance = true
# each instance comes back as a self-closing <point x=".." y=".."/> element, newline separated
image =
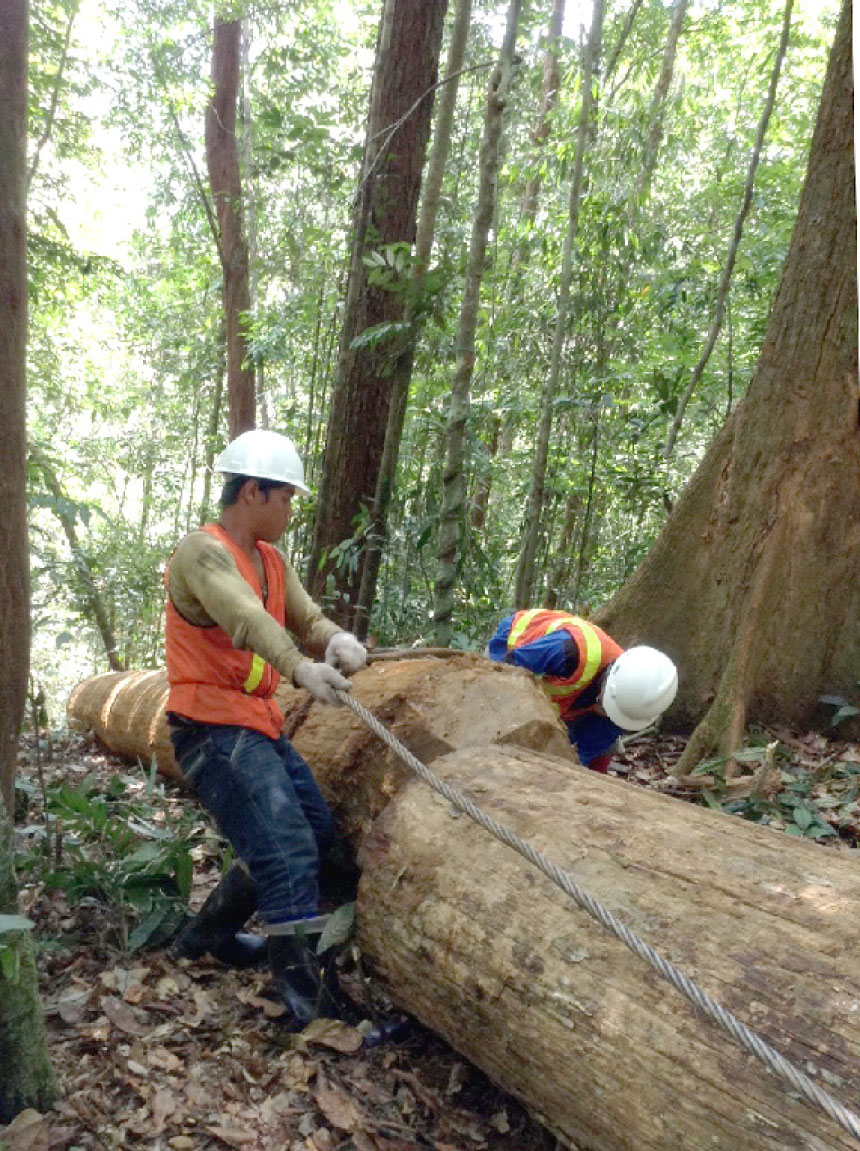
<point x="306" y="982"/>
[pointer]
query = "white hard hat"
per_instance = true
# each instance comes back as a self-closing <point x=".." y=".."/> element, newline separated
<point x="264" y="455"/>
<point x="639" y="686"/>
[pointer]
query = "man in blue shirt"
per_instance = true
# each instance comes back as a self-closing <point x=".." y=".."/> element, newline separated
<point x="599" y="689"/>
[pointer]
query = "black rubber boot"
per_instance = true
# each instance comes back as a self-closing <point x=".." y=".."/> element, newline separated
<point x="302" y="980"/>
<point x="338" y="876"/>
<point x="215" y="928"/>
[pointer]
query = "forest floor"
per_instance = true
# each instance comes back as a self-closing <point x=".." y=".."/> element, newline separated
<point x="151" y="1053"/>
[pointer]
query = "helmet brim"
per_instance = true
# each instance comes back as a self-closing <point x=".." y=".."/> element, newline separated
<point x="298" y="488"/>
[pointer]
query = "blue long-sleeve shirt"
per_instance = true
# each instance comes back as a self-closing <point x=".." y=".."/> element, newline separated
<point x="557" y="654"/>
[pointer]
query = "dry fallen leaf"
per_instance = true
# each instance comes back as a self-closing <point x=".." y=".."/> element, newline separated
<point x="333" y="1033"/>
<point x="123" y="1016"/>
<point x="164" y="1104"/>
<point x="163" y="1059"/>
<point x="339" y="1108"/>
<point x="269" y="1007"/>
<point x="232" y="1136"/>
<point x="28" y="1131"/>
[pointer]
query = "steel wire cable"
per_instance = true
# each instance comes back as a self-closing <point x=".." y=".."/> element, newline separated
<point x="783" y="1068"/>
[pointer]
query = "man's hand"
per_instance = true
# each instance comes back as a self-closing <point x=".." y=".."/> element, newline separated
<point x="345" y="653"/>
<point x="321" y="681"/>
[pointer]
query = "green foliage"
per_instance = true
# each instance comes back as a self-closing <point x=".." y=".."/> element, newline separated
<point x="126" y="347"/>
<point x="10" y="960"/>
<point x="806" y="804"/>
<point x="119" y="850"/>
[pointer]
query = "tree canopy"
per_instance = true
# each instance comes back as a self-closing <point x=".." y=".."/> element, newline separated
<point x="127" y="401"/>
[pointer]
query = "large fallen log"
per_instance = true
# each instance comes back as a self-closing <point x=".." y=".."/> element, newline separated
<point x="485" y="950"/>
<point x="434" y="705"/>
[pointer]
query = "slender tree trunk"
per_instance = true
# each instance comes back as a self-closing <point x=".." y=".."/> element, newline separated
<point x="55" y="96"/>
<point x="25" y="1078"/>
<point x="223" y="162"/>
<point x="14" y="578"/>
<point x="540" y="134"/>
<point x="454" y="497"/>
<point x="89" y="588"/>
<point x="251" y="202"/>
<point x="615" y="55"/>
<point x="726" y="278"/>
<point x="398" y="129"/>
<point x="412" y="316"/>
<point x="211" y="440"/>
<point x="658" y="101"/>
<point x="752" y="585"/>
<point x="525" y="569"/>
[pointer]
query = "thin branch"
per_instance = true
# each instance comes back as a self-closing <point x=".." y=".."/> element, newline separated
<point x="725" y="280"/>
<point x="201" y="187"/>
<point x="55" y="98"/>
<point x="390" y="130"/>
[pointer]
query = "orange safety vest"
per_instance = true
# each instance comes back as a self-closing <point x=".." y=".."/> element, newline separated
<point x="596" y="649"/>
<point x="211" y="681"/>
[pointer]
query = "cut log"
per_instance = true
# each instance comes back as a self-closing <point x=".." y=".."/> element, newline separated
<point x="434" y="705"/>
<point x="479" y="945"/>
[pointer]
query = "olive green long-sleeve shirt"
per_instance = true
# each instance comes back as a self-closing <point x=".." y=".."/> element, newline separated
<point x="206" y="588"/>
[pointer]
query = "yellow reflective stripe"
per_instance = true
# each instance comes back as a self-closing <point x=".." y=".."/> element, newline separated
<point x="593" y="652"/>
<point x="255" y="676"/>
<point x="521" y="625"/>
<point x="593" y="647"/>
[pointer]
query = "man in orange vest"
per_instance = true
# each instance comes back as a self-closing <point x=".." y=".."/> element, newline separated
<point x="599" y="689"/>
<point x="232" y="600"/>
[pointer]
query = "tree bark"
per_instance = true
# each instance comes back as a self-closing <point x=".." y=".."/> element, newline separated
<point x="398" y="129"/>
<point x="752" y="585"/>
<point x="454" y="497"/>
<point x="25" y="1080"/>
<point x="540" y="134"/>
<point x="525" y="577"/>
<point x="412" y="317"/>
<point x="14" y="574"/>
<point x="222" y="159"/>
<point x="483" y="948"/>
<point x="434" y="705"/>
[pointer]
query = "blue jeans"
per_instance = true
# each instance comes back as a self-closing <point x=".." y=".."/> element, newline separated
<point x="266" y="802"/>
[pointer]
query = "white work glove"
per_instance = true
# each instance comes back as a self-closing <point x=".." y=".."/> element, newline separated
<point x="345" y="653"/>
<point x="321" y="681"/>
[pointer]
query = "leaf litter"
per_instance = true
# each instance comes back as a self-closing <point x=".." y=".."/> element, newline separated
<point x="150" y="1052"/>
<point x="170" y="1055"/>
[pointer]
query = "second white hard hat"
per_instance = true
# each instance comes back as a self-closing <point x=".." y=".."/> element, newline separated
<point x="264" y="455"/>
<point x="639" y="686"/>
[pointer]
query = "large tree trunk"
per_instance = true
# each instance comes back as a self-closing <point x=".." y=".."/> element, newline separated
<point x="412" y="318"/>
<point x="222" y="158"/>
<point x="480" y="946"/>
<point x="398" y="128"/>
<point x="25" y="1070"/>
<point x="752" y="585"/>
